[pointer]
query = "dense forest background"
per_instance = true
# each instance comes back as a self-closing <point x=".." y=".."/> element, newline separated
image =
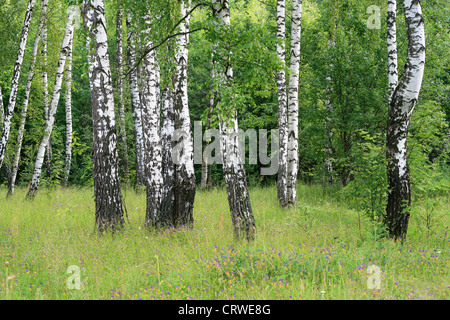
<point x="356" y="63"/>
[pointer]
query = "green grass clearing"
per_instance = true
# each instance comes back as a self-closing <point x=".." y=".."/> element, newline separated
<point x="318" y="250"/>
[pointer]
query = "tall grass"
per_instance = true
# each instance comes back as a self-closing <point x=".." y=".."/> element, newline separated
<point x="317" y="250"/>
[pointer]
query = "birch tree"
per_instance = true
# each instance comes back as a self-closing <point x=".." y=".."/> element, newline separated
<point x="68" y="102"/>
<point x="109" y="213"/>
<point x="15" y="81"/>
<point x="151" y="133"/>
<point x="206" y="166"/>
<point x="2" y="119"/>
<point x="120" y="103"/>
<point x="48" y="154"/>
<point x="21" y="130"/>
<point x="135" y="101"/>
<point x="391" y="27"/>
<point x="401" y="106"/>
<point x="282" y="182"/>
<point x="2" y="109"/>
<point x="184" y="178"/>
<point x="65" y="48"/>
<point x="293" y="103"/>
<point x="166" y="214"/>
<point x="328" y="149"/>
<point x="235" y="178"/>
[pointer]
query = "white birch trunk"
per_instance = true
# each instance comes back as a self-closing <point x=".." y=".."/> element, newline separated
<point x="44" y="71"/>
<point x="168" y="169"/>
<point x="15" y="81"/>
<point x="235" y="178"/>
<point x="68" y="101"/>
<point x="68" y="36"/>
<point x="2" y="119"/>
<point x="282" y="106"/>
<point x="392" y="46"/>
<point x="184" y="166"/>
<point x="136" y="103"/>
<point x="158" y="85"/>
<point x="293" y="103"/>
<point x="48" y="154"/>
<point x="328" y="149"/>
<point x="109" y="214"/>
<point x="2" y="109"/>
<point x="120" y="104"/>
<point x="20" y="133"/>
<point x="151" y="134"/>
<point x="205" y="165"/>
<point x="403" y="101"/>
<point x="204" y="173"/>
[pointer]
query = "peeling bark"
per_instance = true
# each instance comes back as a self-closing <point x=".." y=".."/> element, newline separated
<point x="166" y="214"/>
<point x="184" y="176"/>
<point x="392" y="46"/>
<point x="292" y="147"/>
<point x="282" y="182"/>
<point x="109" y="213"/>
<point x="151" y="134"/>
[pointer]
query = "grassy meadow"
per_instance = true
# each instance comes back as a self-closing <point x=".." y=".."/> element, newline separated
<point x="319" y="250"/>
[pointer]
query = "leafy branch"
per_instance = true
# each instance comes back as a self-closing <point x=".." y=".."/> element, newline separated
<point x="169" y="36"/>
